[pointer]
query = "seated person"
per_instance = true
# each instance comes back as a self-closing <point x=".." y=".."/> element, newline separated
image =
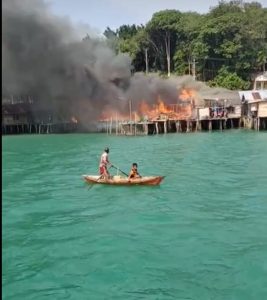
<point x="134" y="172"/>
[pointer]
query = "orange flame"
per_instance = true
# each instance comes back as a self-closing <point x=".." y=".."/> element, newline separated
<point x="157" y="111"/>
<point x="144" y="107"/>
<point x="187" y="94"/>
<point x="162" y="108"/>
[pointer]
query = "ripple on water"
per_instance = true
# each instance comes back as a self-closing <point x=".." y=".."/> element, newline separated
<point x="200" y="235"/>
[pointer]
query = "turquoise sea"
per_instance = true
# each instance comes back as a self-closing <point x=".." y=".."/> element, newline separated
<point x="201" y="235"/>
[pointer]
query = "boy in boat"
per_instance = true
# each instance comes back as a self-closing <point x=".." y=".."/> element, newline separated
<point x="134" y="172"/>
<point x="104" y="163"/>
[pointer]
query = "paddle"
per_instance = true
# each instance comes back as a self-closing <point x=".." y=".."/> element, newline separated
<point x="119" y="170"/>
<point x="111" y="165"/>
<point x="96" y="181"/>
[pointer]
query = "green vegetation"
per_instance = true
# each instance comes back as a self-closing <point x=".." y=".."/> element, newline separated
<point x="225" y="47"/>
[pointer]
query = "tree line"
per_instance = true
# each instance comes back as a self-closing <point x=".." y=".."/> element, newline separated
<point x="225" y="47"/>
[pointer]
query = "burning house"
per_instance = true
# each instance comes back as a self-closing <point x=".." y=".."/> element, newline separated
<point x="79" y="81"/>
<point x="192" y="111"/>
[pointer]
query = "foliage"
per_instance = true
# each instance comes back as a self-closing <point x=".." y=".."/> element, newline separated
<point x="232" y="37"/>
<point x="229" y="80"/>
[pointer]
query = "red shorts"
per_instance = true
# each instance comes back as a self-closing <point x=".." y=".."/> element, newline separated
<point x="102" y="170"/>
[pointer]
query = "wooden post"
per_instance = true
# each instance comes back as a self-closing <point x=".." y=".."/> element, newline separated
<point x="110" y="127"/>
<point x="221" y="127"/>
<point x="157" y="127"/>
<point x="165" y="127"/>
<point x="134" y="123"/>
<point x="232" y="125"/>
<point x="130" y="109"/>
<point x="116" y="123"/>
<point x="210" y="125"/>
<point x="197" y="125"/>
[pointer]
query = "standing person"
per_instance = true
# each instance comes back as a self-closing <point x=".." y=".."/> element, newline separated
<point x="104" y="163"/>
<point x="134" y="172"/>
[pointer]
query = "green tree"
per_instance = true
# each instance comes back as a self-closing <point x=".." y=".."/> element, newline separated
<point x="229" y="80"/>
<point x="236" y="37"/>
<point x="232" y="35"/>
<point x="162" y="31"/>
<point x="188" y="47"/>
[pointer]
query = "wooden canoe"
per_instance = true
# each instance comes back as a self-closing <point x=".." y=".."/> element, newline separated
<point x="119" y="180"/>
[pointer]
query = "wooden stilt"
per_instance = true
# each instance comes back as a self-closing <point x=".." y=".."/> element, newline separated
<point x="187" y="126"/>
<point x="135" y="123"/>
<point x="197" y="125"/>
<point x="110" y="127"/>
<point x="210" y="125"/>
<point x="157" y="128"/>
<point x="165" y="126"/>
<point x="116" y="123"/>
<point x="147" y="129"/>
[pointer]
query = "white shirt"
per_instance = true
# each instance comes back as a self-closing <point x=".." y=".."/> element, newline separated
<point x="104" y="160"/>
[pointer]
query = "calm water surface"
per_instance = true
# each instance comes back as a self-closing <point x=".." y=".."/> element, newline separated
<point x="201" y="235"/>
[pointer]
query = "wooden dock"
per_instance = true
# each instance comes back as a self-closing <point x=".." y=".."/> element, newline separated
<point x="39" y="128"/>
<point x="183" y="126"/>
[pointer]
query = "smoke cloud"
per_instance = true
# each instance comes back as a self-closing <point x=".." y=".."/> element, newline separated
<point x="43" y="56"/>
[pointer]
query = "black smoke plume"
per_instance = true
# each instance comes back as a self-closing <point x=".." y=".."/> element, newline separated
<point x="44" y="57"/>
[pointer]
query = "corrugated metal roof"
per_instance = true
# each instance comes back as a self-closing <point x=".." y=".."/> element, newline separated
<point x="253" y="95"/>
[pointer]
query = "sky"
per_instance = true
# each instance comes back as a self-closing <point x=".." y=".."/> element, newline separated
<point x="100" y="14"/>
